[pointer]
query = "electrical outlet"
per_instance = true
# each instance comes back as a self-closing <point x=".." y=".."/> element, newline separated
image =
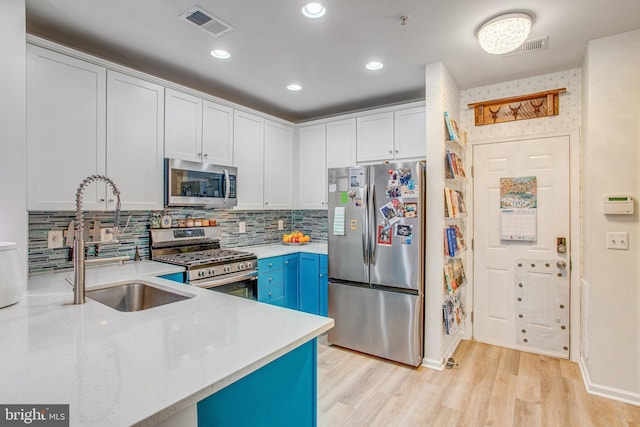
<point x="54" y="239"/>
<point x="280" y="224"/>
<point x="106" y="234"/>
<point x="618" y="240"/>
<point x="242" y="227"/>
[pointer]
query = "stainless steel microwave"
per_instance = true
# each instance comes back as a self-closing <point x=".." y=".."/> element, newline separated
<point x="199" y="184"/>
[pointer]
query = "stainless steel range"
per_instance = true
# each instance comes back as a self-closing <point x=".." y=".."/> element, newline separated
<point x="207" y="266"/>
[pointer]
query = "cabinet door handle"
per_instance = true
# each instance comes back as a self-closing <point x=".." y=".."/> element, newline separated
<point x="320" y="275"/>
<point x="390" y="152"/>
<point x="286" y="263"/>
<point x="270" y="279"/>
<point x="270" y="264"/>
<point x="110" y="200"/>
<point x="397" y="151"/>
<point x="102" y="199"/>
<point x="270" y="293"/>
<point x="206" y="155"/>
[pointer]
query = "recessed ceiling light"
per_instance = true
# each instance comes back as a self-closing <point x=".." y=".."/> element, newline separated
<point x="313" y="10"/>
<point x="220" y="54"/>
<point x="294" y="87"/>
<point x="504" y="33"/>
<point x="374" y="65"/>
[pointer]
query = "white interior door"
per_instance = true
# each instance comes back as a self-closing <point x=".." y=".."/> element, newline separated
<point x="521" y="288"/>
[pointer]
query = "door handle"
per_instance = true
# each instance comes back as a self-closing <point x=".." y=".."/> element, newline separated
<point x="561" y="264"/>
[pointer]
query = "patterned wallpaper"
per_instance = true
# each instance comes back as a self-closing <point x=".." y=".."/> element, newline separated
<point x="261" y="228"/>
<point x="570" y="116"/>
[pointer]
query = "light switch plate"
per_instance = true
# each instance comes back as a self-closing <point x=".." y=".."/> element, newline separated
<point x="106" y="234"/>
<point x="618" y="240"/>
<point x="280" y="224"/>
<point x="55" y="239"/>
<point x="241" y="227"/>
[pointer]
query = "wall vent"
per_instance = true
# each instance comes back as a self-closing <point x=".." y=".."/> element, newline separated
<point x="530" y="46"/>
<point x="206" y="21"/>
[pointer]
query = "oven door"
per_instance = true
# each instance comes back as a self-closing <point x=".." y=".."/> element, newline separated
<point x="244" y="284"/>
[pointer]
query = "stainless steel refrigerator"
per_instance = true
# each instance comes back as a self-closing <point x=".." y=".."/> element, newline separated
<point x="376" y="259"/>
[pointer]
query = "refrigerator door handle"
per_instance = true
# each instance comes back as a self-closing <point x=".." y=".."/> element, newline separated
<point x="365" y="228"/>
<point x="374" y="238"/>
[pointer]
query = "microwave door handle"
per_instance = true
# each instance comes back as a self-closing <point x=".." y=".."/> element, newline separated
<point x="227" y="186"/>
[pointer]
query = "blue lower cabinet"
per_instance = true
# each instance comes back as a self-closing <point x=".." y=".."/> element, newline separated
<point x="176" y="277"/>
<point x="297" y="281"/>
<point x="324" y="285"/>
<point x="291" y="284"/>
<point x="282" y="393"/>
<point x="310" y="283"/>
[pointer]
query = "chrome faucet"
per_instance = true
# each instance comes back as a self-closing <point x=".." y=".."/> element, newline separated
<point x="78" y="245"/>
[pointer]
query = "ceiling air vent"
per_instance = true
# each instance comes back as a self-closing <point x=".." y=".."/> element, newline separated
<point x="206" y="21"/>
<point x="530" y="46"/>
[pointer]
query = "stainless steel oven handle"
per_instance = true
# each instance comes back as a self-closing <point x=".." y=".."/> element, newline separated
<point x="252" y="275"/>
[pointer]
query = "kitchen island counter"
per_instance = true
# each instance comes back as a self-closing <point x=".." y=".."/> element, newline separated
<point x="116" y="368"/>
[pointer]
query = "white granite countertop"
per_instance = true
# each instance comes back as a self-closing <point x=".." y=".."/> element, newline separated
<point x="117" y="369"/>
<point x="277" y="249"/>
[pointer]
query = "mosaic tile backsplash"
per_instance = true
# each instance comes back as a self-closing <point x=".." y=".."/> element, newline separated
<point x="261" y="228"/>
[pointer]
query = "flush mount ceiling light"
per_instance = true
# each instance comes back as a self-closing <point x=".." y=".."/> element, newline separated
<point x="294" y="87"/>
<point x="505" y="32"/>
<point x="220" y="54"/>
<point x="313" y="10"/>
<point x="374" y="65"/>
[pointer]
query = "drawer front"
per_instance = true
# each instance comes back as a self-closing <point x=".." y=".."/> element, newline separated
<point x="271" y="277"/>
<point x="270" y="264"/>
<point x="271" y="292"/>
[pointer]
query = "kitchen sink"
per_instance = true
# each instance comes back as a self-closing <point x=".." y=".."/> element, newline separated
<point x="136" y="296"/>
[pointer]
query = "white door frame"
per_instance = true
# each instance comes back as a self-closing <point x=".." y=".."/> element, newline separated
<point x="575" y="239"/>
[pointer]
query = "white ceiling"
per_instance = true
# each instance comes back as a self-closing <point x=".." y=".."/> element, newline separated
<point x="273" y="44"/>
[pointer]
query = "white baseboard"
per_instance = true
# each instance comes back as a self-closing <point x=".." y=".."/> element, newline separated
<point x="605" y="391"/>
<point x="433" y="364"/>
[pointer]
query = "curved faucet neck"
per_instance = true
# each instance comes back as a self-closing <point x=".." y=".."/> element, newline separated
<point x="78" y="245"/>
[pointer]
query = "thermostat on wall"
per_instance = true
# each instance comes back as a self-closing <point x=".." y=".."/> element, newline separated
<point x="618" y="205"/>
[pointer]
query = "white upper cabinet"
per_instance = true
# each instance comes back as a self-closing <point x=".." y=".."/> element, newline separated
<point x="341" y="143"/>
<point x="392" y="135"/>
<point x="217" y="134"/>
<point x="183" y="126"/>
<point x="410" y="133"/>
<point x="311" y="170"/>
<point x="375" y="137"/>
<point x="135" y="129"/>
<point x="248" y="146"/>
<point x="66" y="100"/>
<point x="197" y="129"/>
<point x="278" y="166"/>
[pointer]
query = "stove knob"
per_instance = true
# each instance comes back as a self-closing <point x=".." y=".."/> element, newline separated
<point x="249" y="264"/>
<point x="202" y="273"/>
<point x="212" y="271"/>
<point x="241" y="266"/>
<point x="227" y="269"/>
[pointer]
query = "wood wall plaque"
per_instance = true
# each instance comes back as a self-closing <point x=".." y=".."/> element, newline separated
<point x="532" y="106"/>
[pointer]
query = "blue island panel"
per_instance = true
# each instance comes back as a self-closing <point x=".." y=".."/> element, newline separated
<point x="282" y="393"/>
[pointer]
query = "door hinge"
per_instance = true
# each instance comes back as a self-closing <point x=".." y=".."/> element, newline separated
<point x="471" y="244"/>
<point x="471" y="171"/>
<point x="471" y="315"/>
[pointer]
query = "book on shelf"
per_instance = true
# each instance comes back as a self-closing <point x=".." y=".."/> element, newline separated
<point x="458" y="271"/>
<point x="454" y="201"/>
<point x="448" y="312"/>
<point x="449" y="278"/>
<point x="449" y="124"/>
<point x="453" y="241"/>
<point x="459" y="238"/>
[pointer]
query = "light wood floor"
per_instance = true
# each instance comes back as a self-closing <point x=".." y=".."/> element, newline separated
<point x="491" y="386"/>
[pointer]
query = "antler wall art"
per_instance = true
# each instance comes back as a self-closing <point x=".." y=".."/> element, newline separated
<point x="532" y="106"/>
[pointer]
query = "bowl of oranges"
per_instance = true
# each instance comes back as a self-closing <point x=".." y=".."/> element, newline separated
<point x="295" y="238"/>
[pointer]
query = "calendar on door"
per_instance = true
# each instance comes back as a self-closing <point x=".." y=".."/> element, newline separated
<point x="518" y="224"/>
